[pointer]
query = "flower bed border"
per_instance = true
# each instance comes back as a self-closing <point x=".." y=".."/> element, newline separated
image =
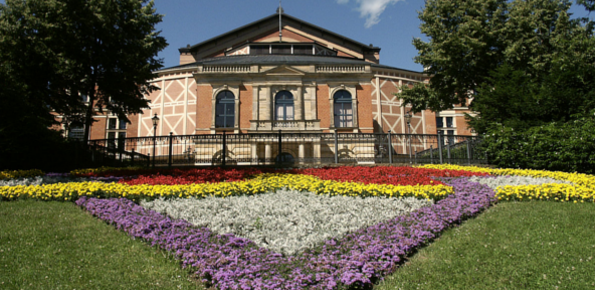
<point x="357" y="259"/>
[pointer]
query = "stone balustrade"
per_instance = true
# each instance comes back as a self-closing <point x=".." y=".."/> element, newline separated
<point x="297" y="125"/>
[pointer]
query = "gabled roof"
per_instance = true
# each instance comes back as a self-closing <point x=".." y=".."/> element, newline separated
<point x="274" y="17"/>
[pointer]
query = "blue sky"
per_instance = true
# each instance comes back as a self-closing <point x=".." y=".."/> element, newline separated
<point x="389" y="24"/>
<point x="192" y="21"/>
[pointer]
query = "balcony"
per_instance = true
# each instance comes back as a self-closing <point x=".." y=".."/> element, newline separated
<point x="297" y="125"/>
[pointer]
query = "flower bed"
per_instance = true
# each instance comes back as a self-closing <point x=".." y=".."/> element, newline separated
<point x="581" y="189"/>
<point x="136" y="176"/>
<point x="286" y="221"/>
<point x="386" y="174"/>
<point x="260" y="184"/>
<point x="230" y="262"/>
<point x="20" y="174"/>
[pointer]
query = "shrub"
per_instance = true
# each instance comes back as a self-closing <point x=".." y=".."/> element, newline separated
<point x="565" y="147"/>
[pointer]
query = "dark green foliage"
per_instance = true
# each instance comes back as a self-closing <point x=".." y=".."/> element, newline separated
<point x="526" y="66"/>
<point x="53" y="51"/>
<point x="568" y="147"/>
<point x="468" y="40"/>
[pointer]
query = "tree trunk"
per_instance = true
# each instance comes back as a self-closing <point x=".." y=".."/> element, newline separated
<point x="89" y="115"/>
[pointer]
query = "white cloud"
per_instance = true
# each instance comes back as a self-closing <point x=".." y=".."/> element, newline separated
<point x="371" y="9"/>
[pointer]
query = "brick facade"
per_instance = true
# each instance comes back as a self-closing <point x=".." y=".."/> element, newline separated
<point x="186" y="101"/>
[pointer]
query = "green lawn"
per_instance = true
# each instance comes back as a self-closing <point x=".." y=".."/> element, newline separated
<point x="527" y="245"/>
<point x="56" y="245"/>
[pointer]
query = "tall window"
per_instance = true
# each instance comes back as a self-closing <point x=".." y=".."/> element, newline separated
<point x="284" y="106"/>
<point x="343" y="109"/>
<point x="76" y="131"/>
<point x="225" y="110"/>
<point x="116" y="130"/>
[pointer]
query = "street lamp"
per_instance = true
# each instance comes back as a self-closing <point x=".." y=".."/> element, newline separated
<point x="155" y="122"/>
<point x="408" y="117"/>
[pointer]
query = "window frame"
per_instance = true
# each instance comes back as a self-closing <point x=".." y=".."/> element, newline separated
<point x="342" y="102"/>
<point x="119" y="133"/>
<point x="226" y="99"/>
<point x="351" y="88"/>
<point x="234" y="88"/>
<point x="285" y="103"/>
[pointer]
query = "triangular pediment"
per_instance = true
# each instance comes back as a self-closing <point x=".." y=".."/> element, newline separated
<point x="284" y="71"/>
<point x="266" y="30"/>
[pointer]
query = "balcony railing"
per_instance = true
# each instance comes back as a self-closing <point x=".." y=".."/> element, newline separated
<point x="287" y="148"/>
<point x="303" y="125"/>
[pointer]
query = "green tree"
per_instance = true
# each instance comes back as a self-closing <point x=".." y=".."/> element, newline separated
<point x="524" y="62"/>
<point x="61" y="49"/>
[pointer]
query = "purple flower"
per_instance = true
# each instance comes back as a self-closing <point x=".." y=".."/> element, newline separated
<point x="230" y="262"/>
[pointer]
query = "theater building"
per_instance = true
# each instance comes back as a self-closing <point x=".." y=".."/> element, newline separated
<point x="281" y="73"/>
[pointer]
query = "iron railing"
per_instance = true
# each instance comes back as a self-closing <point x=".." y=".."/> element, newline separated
<point x="287" y="149"/>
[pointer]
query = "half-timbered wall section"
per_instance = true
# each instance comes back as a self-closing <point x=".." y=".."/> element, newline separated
<point x="175" y="104"/>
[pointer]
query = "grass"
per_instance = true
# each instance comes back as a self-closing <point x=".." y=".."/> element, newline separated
<point x="56" y="245"/>
<point x="513" y="245"/>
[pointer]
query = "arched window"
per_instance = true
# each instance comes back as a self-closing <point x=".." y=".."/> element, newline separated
<point x="284" y="106"/>
<point x="343" y="109"/>
<point x="225" y="110"/>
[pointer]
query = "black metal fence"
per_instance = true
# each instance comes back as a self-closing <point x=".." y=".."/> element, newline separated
<point x="287" y="149"/>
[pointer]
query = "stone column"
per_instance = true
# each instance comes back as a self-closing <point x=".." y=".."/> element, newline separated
<point x="254" y="153"/>
<point x="255" y="99"/>
<point x="301" y="152"/>
<point x="316" y="153"/>
<point x="265" y="104"/>
<point x="299" y="105"/>
<point x="267" y="151"/>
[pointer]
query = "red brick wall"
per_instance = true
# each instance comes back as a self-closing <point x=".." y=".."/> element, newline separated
<point x="462" y="126"/>
<point x="430" y="122"/>
<point x="322" y="106"/>
<point x="340" y="53"/>
<point x="132" y="129"/>
<point x="245" y="108"/>
<point x="204" y="108"/>
<point x="364" y="108"/>
<point x="286" y="35"/>
<point x="98" y="129"/>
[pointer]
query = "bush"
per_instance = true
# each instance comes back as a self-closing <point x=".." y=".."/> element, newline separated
<point x="568" y="147"/>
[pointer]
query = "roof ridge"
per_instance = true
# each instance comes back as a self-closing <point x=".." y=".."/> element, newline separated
<point x="187" y="49"/>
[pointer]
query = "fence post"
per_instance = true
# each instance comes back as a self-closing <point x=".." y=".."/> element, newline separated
<point x="154" y="145"/>
<point x="280" y="157"/>
<point x="390" y="148"/>
<point x="440" y="147"/>
<point x="415" y="156"/>
<point x="132" y="158"/>
<point x="431" y="154"/>
<point x="336" y="147"/>
<point x="410" y="151"/>
<point x="468" y="152"/>
<point x="171" y="141"/>
<point x="448" y="150"/>
<point x="149" y="160"/>
<point x="224" y="150"/>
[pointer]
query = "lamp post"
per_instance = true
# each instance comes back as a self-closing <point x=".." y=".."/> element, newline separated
<point x="408" y="117"/>
<point x="155" y="122"/>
